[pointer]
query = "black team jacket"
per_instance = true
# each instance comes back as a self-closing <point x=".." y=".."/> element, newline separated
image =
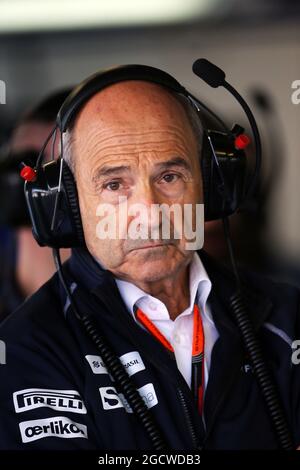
<point x="56" y="392"/>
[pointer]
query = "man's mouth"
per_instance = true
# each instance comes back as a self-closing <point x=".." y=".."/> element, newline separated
<point x="150" y="246"/>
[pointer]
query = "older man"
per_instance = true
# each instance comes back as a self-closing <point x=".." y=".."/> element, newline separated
<point x="137" y="140"/>
<point x="146" y="151"/>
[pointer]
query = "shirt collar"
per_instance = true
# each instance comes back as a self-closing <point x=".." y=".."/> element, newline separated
<point x="83" y="269"/>
<point x="200" y="287"/>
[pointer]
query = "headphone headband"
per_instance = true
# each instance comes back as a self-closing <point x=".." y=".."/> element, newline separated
<point x="102" y="79"/>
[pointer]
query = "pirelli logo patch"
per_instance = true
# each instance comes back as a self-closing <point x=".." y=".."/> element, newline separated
<point x="59" y="426"/>
<point x="60" y="400"/>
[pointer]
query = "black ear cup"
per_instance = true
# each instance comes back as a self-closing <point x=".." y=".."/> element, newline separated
<point x="54" y="208"/>
<point x="223" y="175"/>
<point x="72" y="196"/>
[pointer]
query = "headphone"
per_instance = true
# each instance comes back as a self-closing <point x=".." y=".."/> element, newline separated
<point x="52" y="200"/>
<point x="50" y="188"/>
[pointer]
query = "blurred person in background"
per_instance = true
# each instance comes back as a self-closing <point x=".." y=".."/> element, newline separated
<point x="24" y="265"/>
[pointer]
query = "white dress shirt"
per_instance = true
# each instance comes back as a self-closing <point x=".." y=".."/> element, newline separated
<point x="178" y="332"/>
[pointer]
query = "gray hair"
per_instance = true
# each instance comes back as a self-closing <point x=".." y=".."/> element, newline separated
<point x="192" y="112"/>
<point x="67" y="151"/>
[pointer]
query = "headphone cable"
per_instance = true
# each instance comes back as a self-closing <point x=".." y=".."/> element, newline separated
<point x="114" y="366"/>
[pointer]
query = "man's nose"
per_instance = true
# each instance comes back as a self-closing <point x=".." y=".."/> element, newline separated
<point x="145" y="194"/>
<point x="146" y="201"/>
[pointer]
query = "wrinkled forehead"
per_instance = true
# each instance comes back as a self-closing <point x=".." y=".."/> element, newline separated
<point x="128" y="118"/>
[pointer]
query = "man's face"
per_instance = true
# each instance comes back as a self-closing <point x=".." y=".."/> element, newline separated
<point x="134" y="141"/>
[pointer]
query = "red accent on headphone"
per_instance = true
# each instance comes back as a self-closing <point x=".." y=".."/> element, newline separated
<point x="241" y="141"/>
<point x="28" y="173"/>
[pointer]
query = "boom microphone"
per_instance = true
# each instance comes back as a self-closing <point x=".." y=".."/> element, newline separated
<point x="215" y="77"/>
<point x="209" y="72"/>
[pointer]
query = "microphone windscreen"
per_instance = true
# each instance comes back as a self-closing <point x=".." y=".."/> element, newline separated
<point x="209" y="72"/>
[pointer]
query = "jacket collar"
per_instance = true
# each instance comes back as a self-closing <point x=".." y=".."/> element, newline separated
<point x="224" y="287"/>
